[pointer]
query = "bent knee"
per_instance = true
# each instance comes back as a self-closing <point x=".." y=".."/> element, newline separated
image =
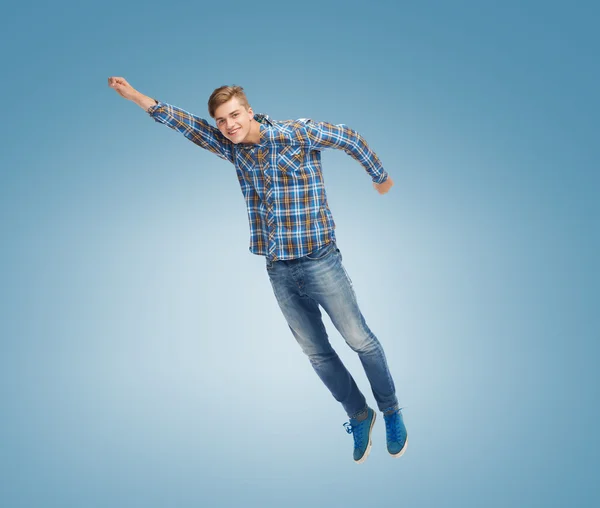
<point x="362" y="342"/>
<point x="320" y="357"/>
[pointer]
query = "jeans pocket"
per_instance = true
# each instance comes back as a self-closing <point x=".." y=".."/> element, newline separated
<point x="339" y="253"/>
<point x="321" y="252"/>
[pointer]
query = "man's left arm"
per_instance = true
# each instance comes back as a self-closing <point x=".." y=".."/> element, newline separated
<point x="322" y="135"/>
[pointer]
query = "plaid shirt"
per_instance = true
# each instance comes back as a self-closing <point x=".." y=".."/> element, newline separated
<point x="280" y="177"/>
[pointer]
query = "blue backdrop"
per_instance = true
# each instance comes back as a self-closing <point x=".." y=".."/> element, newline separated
<point x="144" y="361"/>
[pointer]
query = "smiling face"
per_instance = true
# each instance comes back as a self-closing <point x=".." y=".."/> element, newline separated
<point x="234" y="120"/>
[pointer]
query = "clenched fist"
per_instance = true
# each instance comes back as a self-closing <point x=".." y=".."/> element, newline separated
<point x="123" y="88"/>
<point x="384" y="187"/>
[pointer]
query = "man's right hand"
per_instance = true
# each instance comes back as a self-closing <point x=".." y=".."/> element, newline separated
<point x="125" y="90"/>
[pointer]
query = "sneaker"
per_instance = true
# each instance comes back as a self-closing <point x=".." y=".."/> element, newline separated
<point x="395" y="431"/>
<point x="361" y="431"/>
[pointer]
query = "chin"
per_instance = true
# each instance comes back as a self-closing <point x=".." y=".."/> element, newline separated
<point x="236" y="138"/>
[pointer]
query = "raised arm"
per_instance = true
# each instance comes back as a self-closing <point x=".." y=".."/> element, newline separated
<point x="194" y="128"/>
<point x="322" y="135"/>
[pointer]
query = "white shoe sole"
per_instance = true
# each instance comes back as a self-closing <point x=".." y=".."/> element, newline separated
<point x="401" y="452"/>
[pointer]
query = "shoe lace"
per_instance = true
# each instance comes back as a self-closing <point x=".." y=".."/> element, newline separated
<point x="391" y="426"/>
<point x="357" y="433"/>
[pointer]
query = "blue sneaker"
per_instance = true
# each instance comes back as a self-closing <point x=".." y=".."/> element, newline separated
<point x="395" y="431"/>
<point x="361" y="431"/>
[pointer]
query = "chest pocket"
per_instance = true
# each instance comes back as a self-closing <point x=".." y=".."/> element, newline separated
<point x="289" y="159"/>
<point x="245" y="161"/>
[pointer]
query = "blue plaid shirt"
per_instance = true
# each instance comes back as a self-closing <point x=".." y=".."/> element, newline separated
<point x="280" y="177"/>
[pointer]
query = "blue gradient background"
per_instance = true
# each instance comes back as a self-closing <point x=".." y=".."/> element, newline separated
<point x="144" y="360"/>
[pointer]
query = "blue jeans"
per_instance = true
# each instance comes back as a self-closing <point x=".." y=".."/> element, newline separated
<point x="319" y="279"/>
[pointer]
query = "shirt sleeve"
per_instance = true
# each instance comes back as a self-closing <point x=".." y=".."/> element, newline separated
<point x="322" y="135"/>
<point x="196" y="129"/>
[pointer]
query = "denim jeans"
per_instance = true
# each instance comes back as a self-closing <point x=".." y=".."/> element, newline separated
<point x="303" y="285"/>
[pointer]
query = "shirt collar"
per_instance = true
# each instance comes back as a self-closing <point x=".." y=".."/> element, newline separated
<point x="263" y="119"/>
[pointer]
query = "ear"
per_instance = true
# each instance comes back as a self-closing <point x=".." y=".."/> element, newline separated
<point x="250" y="112"/>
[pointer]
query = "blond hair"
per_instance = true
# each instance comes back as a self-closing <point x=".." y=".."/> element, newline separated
<point x="225" y="93"/>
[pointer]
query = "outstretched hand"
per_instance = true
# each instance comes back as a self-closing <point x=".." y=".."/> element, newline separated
<point x="123" y="88"/>
<point x="382" y="188"/>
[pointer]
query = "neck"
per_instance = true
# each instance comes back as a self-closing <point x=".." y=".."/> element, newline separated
<point x="253" y="136"/>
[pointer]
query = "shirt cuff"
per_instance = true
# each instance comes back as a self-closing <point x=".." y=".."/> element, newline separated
<point x="153" y="108"/>
<point x="382" y="177"/>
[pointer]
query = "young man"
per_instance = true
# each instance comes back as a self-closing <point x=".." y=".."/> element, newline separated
<point x="278" y="165"/>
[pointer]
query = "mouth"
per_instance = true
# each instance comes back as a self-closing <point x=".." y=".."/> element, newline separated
<point x="233" y="132"/>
